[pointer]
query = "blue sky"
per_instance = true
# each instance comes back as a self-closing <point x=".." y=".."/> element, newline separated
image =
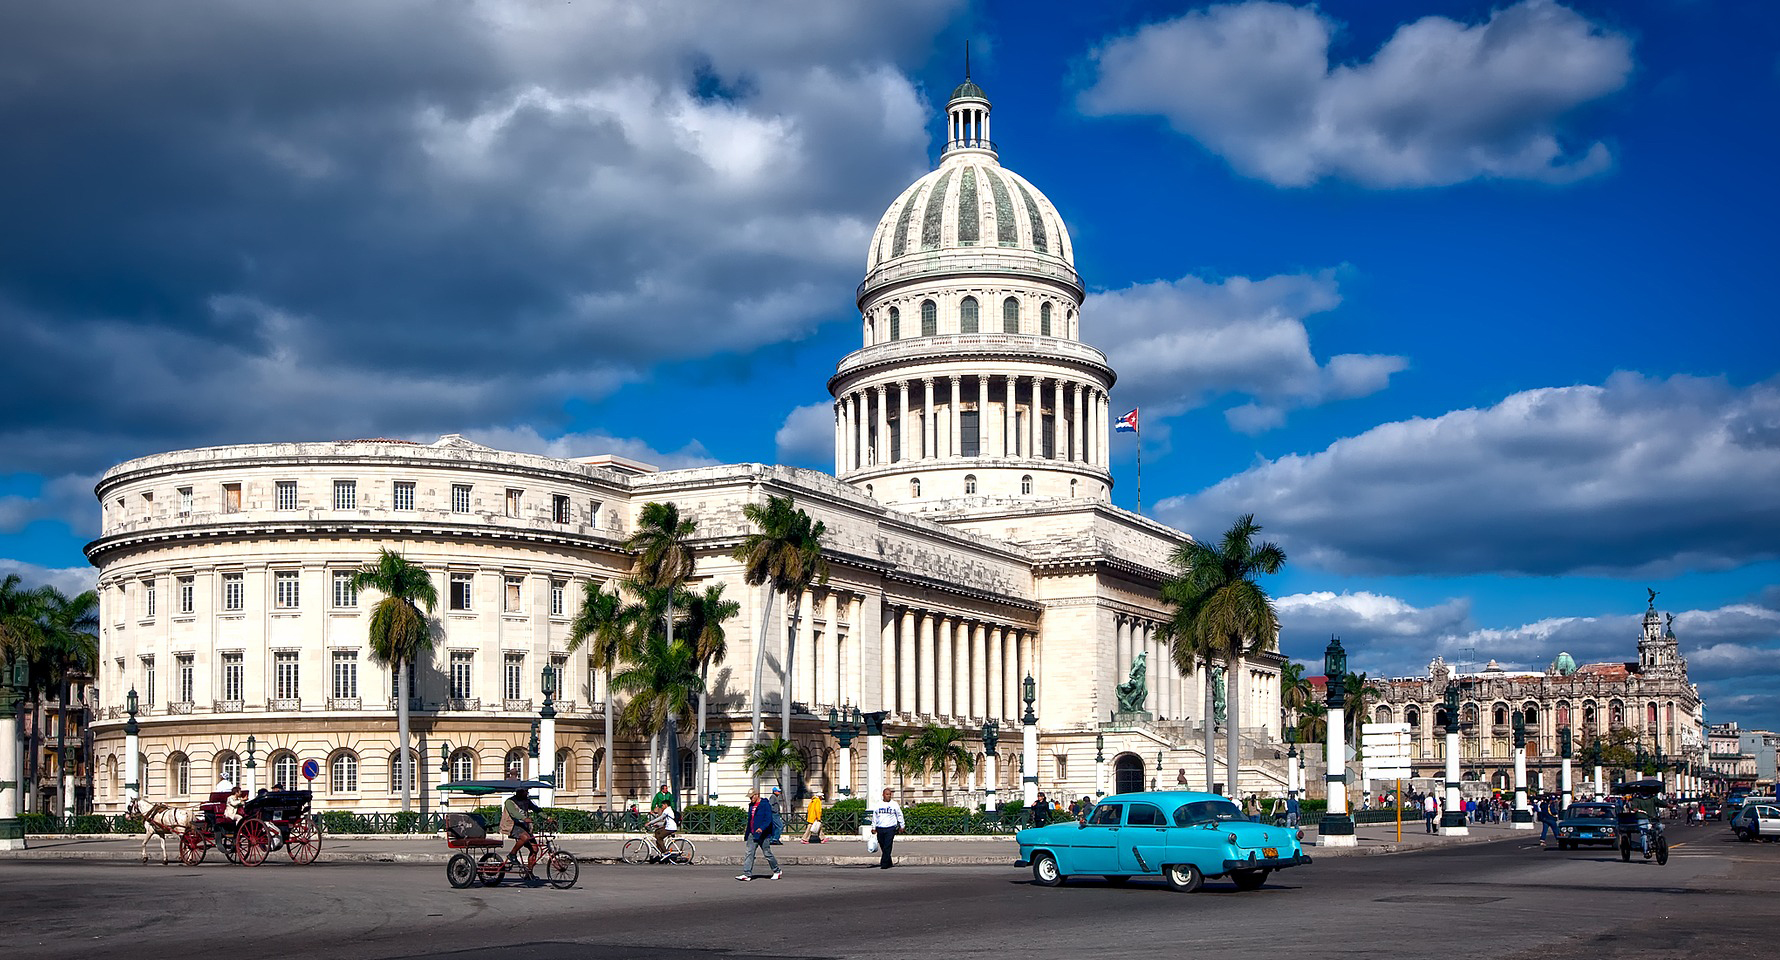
<point x="1463" y="300"/>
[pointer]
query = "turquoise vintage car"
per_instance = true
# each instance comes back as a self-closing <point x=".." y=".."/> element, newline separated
<point x="1181" y="836"/>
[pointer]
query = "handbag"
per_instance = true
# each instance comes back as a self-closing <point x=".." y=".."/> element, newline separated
<point x="871" y="839"/>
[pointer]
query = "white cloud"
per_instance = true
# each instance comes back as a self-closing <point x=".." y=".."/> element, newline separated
<point x="1439" y="103"/>
<point x="69" y="580"/>
<point x="1181" y="344"/>
<point x="1632" y="477"/>
<point x="807" y="437"/>
<point x="567" y="446"/>
<point x="66" y="499"/>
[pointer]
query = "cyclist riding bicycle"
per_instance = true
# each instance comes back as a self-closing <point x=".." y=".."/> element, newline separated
<point x="665" y="826"/>
<point x="520" y="809"/>
<point x="1641" y="813"/>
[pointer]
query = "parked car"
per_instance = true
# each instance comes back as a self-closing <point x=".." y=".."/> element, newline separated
<point x="1757" y="821"/>
<point x="1710" y="808"/>
<point x="1183" y="837"/>
<point x="1733" y="803"/>
<point x="1587" y="824"/>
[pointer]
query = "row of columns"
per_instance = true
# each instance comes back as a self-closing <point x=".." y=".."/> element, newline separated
<point x="969" y="124"/>
<point x="828" y="670"/>
<point x="1168" y="689"/>
<point x="863" y="424"/>
<point x="942" y="665"/>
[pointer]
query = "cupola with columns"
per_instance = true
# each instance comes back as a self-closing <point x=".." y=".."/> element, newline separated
<point x="972" y="382"/>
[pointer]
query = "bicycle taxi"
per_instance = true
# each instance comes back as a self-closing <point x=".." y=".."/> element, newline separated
<point x="1637" y="830"/>
<point x="480" y="858"/>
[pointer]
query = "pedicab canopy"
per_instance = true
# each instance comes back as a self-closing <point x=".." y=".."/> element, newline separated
<point x="478" y="788"/>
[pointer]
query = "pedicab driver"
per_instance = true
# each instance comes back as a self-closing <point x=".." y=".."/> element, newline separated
<point x="520" y="809"/>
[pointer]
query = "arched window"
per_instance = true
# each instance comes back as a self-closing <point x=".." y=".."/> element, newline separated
<point x="1616" y="714"/>
<point x="895" y="324"/>
<point x="1530" y="716"/>
<point x="563" y="763"/>
<point x="869" y="492"/>
<point x="1044" y="319"/>
<point x="515" y="763"/>
<point x="1588" y="715"/>
<point x="970" y="483"/>
<point x="285" y="771"/>
<point x="1072" y="487"/>
<point x="1026" y="483"/>
<point x="463" y="764"/>
<point x="1652" y="723"/>
<point x="929" y="318"/>
<point x="1501" y="716"/>
<point x="1563" y="715"/>
<point x="228" y="767"/>
<point x="1440" y="717"/>
<point x="343" y="772"/>
<point x="915" y="487"/>
<point x="179" y="775"/>
<point x="395" y="763"/>
<point x="967" y="315"/>
<point x="1010" y="315"/>
<point x="1382" y="714"/>
<point x="598" y="768"/>
<point x="1413" y="717"/>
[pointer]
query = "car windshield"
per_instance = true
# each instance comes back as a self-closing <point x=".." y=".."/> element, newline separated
<point x="1590" y="811"/>
<point x="1207" y="811"/>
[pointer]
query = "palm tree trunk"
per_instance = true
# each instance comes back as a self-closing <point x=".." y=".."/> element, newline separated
<point x="790" y="643"/>
<point x="1233" y="730"/>
<point x="766" y="619"/>
<point x="65" y="803"/>
<point x="703" y="761"/>
<point x="1211" y="727"/>
<point x="404" y="765"/>
<point x="611" y="788"/>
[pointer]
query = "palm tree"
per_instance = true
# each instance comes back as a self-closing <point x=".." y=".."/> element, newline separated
<point x="702" y="626"/>
<point x="774" y="754"/>
<point x="663" y="682"/>
<point x="400" y="633"/>
<point x="785" y="551"/>
<point x="944" y="748"/>
<point x="604" y="624"/>
<point x="1313" y="723"/>
<point x="903" y="754"/>
<point x="1294" y="690"/>
<point x="21" y="629"/>
<point x="664" y="555"/>
<point x="1220" y="611"/>
<point x="70" y="649"/>
<point x="1361" y="694"/>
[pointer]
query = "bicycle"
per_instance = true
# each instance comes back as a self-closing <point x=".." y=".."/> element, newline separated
<point x="561" y="869"/>
<point x="642" y="849"/>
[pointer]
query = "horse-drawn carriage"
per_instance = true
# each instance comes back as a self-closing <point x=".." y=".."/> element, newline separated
<point x="275" y="819"/>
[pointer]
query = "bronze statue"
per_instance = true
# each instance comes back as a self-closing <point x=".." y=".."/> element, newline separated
<point x="1131" y="693"/>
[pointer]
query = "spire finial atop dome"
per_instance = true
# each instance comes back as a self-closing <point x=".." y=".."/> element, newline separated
<point x="967" y="115"/>
<point x="967" y="61"/>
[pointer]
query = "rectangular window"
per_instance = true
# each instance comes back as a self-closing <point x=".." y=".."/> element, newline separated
<point x="460" y="591"/>
<point x="148" y="501"/>
<point x="513" y="675"/>
<point x="970" y="442"/>
<point x="404" y="495"/>
<point x="559" y="668"/>
<point x="234" y="595"/>
<point x="513" y="599"/>
<point x="284" y="590"/>
<point x="1047" y="437"/>
<point x="121" y="609"/>
<point x="395" y="681"/>
<point x="188" y="589"/>
<point x="593" y="513"/>
<point x="187" y="677"/>
<point x="559" y="509"/>
<point x="185" y="501"/>
<point x="895" y="439"/>
<point x="232" y="674"/>
<point x="463" y="664"/>
<point x="558" y="598"/>
<point x="345" y="494"/>
<point x="460" y="498"/>
<point x="148" y="680"/>
<point x="148" y="599"/>
<point x="287" y="494"/>
<point x="231" y="497"/>
<point x="285" y="675"/>
<point x="345" y="674"/>
<point x="345" y="593"/>
<point x="513" y="497"/>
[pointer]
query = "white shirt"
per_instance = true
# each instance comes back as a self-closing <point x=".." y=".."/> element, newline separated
<point x="887" y="813"/>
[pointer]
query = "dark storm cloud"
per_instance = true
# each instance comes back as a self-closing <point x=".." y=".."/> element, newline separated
<point x="240" y="221"/>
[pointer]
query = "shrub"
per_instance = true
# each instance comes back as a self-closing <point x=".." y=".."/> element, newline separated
<point x="709" y="818"/>
<point x="344" y="821"/>
<point x="845" y="817"/>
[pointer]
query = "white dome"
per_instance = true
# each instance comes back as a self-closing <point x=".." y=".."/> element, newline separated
<point x="971" y="203"/>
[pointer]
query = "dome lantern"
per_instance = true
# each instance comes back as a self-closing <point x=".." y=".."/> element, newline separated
<point x="967" y="116"/>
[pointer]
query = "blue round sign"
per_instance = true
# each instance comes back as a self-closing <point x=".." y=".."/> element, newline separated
<point x="310" y="769"/>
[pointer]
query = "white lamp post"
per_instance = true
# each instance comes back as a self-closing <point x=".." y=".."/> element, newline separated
<point x="874" y="749"/>
<point x="1029" y="760"/>
<point x="12" y="689"/>
<point x="132" y="741"/>
<point x="991" y="739"/>
<point x="1564" y="745"/>
<point x="1336" y="829"/>
<point x="843" y="726"/>
<point x="1452" y="819"/>
<point x="1523" y="814"/>
<point x="547" y="740"/>
<point x="1099" y="765"/>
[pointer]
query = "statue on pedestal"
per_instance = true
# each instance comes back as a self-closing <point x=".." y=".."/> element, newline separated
<point x="1132" y="692"/>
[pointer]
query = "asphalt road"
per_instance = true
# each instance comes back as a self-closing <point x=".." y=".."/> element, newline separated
<point x="1507" y="899"/>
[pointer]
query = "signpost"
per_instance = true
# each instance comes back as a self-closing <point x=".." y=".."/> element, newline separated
<point x="310" y="770"/>
<point x="1385" y="747"/>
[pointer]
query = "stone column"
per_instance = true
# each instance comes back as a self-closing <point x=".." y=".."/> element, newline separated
<point x="929" y="664"/>
<point x="1075" y="422"/>
<point x="957" y="426"/>
<point x="1121" y="643"/>
<point x="982" y="415"/>
<point x="1059" y="430"/>
<point x="881" y="449"/>
<point x="929" y="421"/>
<point x="948" y="649"/>
<point x="1010" y="673"/>
<point x="1031" y="431"/>
<point x="887" y="663"/>
<point x="996" y="702"/>
<point x="805" y="679"/>
<point x="902" y="425"/>
<point x="840" y="435"/>
<point x="907" y="650"/>
<point x="832" y="678"/>
<point x="979" y="671"/>
<point x="1009" y="439"/>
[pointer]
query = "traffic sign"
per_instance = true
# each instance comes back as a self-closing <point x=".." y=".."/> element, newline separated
<point x="1386" y="750"/>
<point x="311" y="769"/>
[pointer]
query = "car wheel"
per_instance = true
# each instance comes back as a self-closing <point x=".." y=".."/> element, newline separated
<point x="1249" y="879"/>
<point x="1744" y="836"/>
<point x="1183" y="877"/>
<point x="1045" y="871"/>
<point x="1117" y="879"/>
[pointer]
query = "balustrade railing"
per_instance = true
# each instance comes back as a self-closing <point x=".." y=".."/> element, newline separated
<point x="284" y="704"/>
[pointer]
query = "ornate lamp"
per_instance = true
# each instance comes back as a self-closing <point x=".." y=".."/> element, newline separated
<point x="1031" y="688"/>
<point x="1453" y="721"/>
<point x="532" y="748"/>
<point x="844" y="725"/>
<point x="991" y="738"/>
<point x="1335" y="670"/>
<point x="548" y="684"/>
<point x="131" y="728"/>
<point x="444" y="756"/>
<point x="714" y="743"/>
<point x="1564" y="743"/>
<point x="1520" y="730"/>
<point x="1100" y="748"/>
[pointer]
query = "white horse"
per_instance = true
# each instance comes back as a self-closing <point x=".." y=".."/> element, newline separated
<point x="160" y="820"/>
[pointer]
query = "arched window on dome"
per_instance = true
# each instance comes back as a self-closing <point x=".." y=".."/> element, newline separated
<point x="1026" y="483"/>
<point x="929" y="318"/>
<point x="1069" y="329"/>
<point x="869" y="492"/>
<point x="895" y="324"/>
<point x="1072" y="487"/>
<point x="970" y="483"/>
<point x="1010" y="315"/>
<point x="1044" y="319"/>
<point x="967" y="315"/>
<point x="915" y="487"/>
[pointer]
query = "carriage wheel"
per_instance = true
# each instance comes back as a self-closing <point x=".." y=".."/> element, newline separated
<point x="192" y="847"/>
<point x="253" y="840"/>
<point x="492" y="869"/>
<point x="561" y="869"/>
<point x="304" y="841"/>
<point x="460" y="871"/>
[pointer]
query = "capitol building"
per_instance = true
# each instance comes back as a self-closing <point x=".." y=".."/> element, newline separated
<point x="970" y="532"/>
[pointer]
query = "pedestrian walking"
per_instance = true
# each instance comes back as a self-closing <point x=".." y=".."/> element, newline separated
<point x="1548" y="821"/>
<point x="1041" y="811"/>
<point x="1292" y="809"/>
<point x="812" y="831"/>
<point x="757" y="836"/>
<point x="780" y="815"/>
<point x="1430" y="810"/>
<point x="886" y="820"/>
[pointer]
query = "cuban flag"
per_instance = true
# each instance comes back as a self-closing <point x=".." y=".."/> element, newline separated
<point x="1126" y="423"/>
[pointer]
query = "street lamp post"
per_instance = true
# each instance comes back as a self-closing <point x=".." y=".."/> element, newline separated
<point x="132" y="741"/>
<point x="1292" y="787"/>
<point x="1336" y="829"/>
<point x="531" y="753"/>
<point x="12" y="693"/>
<point x="547" y="736"/>
<point x="1029" y="760"/>
<point x="714" y="743"/>
<point x="1452" y="818"/>
<point x="874" y="754"/>
<point x="1099" y="765"/>
<point x="991" y="738"/>
<point x="1523" y="814"/>
<point x="844" y="725"/>
<point x="444" y="773"/>
<point x="1564" y="750"/>
<point x="250" y="766"/>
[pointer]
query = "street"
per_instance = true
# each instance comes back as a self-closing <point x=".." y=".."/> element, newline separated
<point x="1715" y="898"/>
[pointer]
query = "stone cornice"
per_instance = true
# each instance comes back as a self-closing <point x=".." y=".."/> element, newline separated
<point x="971" y="350"/>
<point x="312" y="529"/>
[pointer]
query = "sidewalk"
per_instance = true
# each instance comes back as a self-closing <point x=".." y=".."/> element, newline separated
<point x="721" y="850"/>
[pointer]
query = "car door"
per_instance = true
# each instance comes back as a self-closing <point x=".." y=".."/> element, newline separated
<point x="1096" y="843"/>
<point x="1143" y="840"/>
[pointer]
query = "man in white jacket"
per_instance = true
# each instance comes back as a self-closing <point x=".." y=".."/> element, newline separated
<point x="886" y="819"/>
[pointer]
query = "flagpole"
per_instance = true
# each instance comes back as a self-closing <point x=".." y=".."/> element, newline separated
<point x="1139" y="433"/>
